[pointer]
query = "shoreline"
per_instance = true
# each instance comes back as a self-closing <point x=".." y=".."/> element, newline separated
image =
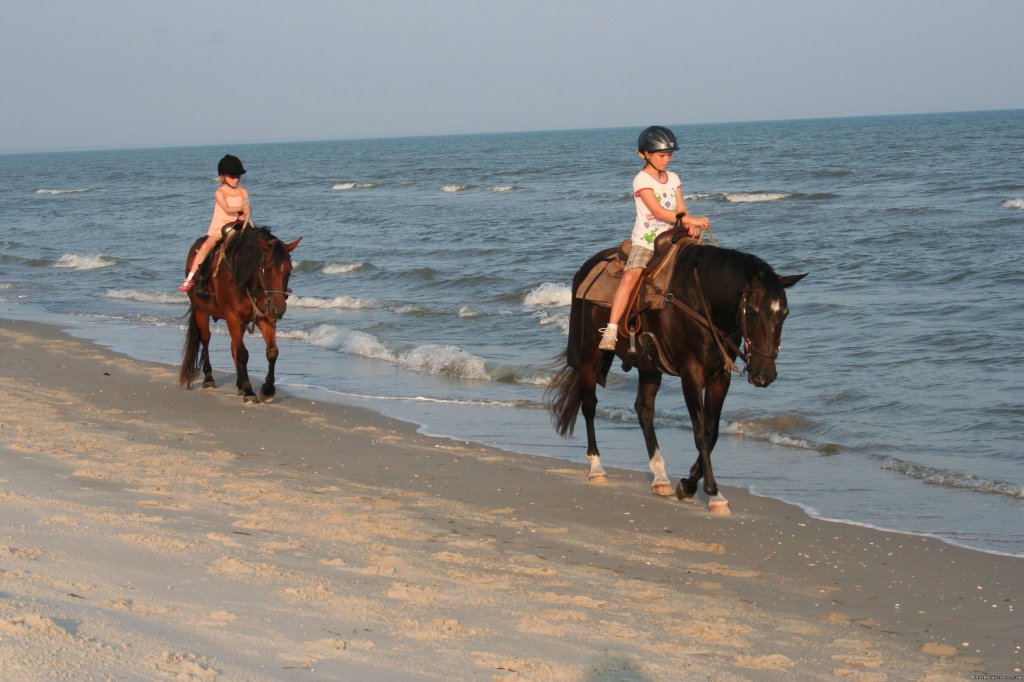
<point x="304" y="536"/>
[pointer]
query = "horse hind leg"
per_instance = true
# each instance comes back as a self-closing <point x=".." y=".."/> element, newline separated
<point x="203" y="324"/>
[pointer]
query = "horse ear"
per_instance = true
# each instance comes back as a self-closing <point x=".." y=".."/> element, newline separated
<point x="789" y="280"/>
<point x="291" y="246"/>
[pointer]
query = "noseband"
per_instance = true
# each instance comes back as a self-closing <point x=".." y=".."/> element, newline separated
<point x="748" y="345"/>
<point x="271" y="311"/>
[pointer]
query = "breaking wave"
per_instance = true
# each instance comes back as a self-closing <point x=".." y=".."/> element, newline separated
<point x="354" y="185"/>
<point x="440" y="360"/>
<point x="754" y="197"/>
<point x="337" y="303"/>
<point x="342" y="268"/>
<point x="549" y="295"/>
<point x="73" y="261"/>
<point x="61" y="191"/>
<point x="145" y="296"/>
<point x="1014" y="203"/>
<point x="953" y="479"/>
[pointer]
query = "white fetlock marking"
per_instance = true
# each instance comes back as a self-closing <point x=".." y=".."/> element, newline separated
<point x="658" y="469"/>
<point x="596" y="470"/>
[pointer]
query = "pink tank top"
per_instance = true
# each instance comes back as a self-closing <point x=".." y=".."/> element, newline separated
<point x="235" y="201"/>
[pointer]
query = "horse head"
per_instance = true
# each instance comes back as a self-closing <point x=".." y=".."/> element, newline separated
<point x="763" y="309"/>
<point x="275" y="269"/>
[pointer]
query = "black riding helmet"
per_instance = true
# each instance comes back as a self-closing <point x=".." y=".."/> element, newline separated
<point x="230" y="165"/>
<point x="657" y="139"/>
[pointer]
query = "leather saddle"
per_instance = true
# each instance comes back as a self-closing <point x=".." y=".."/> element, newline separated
<point x="599" y="285"/>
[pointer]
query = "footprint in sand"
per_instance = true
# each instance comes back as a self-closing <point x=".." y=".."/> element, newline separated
<point x="771" y="662"/>
<point x="185" y="667"/>
<point x="436" y="629"/>
<point x="218" y="619"/>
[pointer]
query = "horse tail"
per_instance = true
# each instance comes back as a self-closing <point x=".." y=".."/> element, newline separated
<point x="190" y="361"/>
<point x="564" y="394"/>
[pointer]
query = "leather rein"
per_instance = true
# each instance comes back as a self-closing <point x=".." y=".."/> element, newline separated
<point x="723" y="341"/>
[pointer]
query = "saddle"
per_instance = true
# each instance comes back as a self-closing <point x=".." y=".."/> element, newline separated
<point x="599" y="285"/>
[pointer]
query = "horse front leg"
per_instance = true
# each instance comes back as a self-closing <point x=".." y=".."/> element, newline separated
<point x="269" y="330"/>
<point x="705" y="407"/>
<point x="646" y="393"/>
<point x="241" y="357"/>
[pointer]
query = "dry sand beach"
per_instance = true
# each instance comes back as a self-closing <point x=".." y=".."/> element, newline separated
<point x="149" y="532"/>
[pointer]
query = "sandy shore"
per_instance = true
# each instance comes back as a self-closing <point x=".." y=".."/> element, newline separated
<point x="150" y="532"/>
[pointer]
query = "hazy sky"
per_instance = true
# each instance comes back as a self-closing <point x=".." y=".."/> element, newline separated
<point x="128" y="73"/>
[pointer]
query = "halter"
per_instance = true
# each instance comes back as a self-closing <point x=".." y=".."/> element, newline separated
<point x="723" y="341"/>
<point x="257" y="312"/>
<point x="748" y="346"/>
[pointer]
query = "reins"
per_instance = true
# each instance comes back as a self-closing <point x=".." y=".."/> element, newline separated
<point x="721" y="338"/>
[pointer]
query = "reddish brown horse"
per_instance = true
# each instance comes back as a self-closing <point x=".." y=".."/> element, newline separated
<point x="245" y="283"/>
<point x="715" y="298"/>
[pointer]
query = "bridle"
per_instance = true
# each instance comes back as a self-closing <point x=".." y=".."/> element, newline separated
<point x="723" y="341"/>
<point x="748" y="345"/>
<point x="259" y="313"/>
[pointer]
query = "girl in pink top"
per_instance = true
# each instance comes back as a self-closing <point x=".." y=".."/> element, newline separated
<point x="231" y="204"/>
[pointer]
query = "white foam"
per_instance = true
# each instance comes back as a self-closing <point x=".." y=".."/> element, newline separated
<point x="549" y="295"/>
<point x="337" y="303"/>
<point x="502" y="188"/>
<point x="953" y="479"/>
<point x="145" y="296"/>
<point x="454" y="188"/>
<point x="60" y="191"/>
<point x="429" y="359"/>
<point x="74" y="261"/>
<point x="354" y="185"/>
<point x="1014" y="203"/>
<point x="559" y="319"/>
<point x="340" y="268"/>
<point x="753" y="197"/>
<point x="467" y="313"/>
<point x="410" y="309"/>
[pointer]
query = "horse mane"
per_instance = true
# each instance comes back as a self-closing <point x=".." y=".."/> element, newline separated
<point x="728" y="270"/>
<point x="724" y="272"/>
<point x="244" y="253"/>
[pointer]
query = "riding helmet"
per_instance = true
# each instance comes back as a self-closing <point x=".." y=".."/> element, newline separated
<point x="230" y="165"/>
<point x="657" y="139"/>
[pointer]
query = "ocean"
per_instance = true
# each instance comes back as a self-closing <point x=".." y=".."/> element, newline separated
<point x="432" y="285"/>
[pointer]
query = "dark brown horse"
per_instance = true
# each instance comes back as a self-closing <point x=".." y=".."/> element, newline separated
<point x="245" y="283"/>
<point x="716" y="298"/>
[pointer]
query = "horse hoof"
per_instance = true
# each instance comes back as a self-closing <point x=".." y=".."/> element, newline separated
<point x="682" y="493"/>
<point x="720" y="507"/>
<point x="662" y="489"/>
<point x="599" y="479"/>
<point x="250" y="400"/>
<point x="209" y="384"/>
<point x="266" y="398"/>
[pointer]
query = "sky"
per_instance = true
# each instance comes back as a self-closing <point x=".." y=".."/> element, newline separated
<point x="95" y="74"/>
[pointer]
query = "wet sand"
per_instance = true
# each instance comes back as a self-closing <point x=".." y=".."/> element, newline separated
<point x="151" y="532"/>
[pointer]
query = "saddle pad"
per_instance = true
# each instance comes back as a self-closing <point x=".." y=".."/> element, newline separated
<point x="600" y="283"/>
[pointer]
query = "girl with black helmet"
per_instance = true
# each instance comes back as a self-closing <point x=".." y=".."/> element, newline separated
<point x="658" y="197"/>
<point x="231" y="204"/>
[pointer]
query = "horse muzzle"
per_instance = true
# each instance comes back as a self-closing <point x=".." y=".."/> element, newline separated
<point x="763" y="375"/>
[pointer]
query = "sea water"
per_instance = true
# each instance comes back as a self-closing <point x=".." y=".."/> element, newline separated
<point x="432" y="285"/>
